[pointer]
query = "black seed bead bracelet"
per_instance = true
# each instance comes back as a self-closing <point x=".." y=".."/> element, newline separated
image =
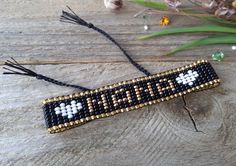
<point x="65" y="112"/>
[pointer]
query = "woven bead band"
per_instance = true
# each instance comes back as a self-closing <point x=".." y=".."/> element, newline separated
<point x="65" y="112"/>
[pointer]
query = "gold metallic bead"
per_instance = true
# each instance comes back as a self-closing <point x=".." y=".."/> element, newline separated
<point x="61" y="98"/>
<point x="72" y="123"/>
<point x="88" y="118"/>
<point x="71" y="96"/>
<point x="77" y="122"/>
<point x="81" y="93"/>
<point x="82" y="120"/>
<point x="55" y="128"/>
<point x="62" y="129"/>
<point x="49" y="100"/>
<point x="99" y="102"/>
<point x="141" y="105"/>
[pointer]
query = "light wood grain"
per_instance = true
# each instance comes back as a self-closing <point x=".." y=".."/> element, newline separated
<point x="158" y="135"/>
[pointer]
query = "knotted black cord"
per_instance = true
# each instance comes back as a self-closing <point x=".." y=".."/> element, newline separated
<point x="21" y="70"/>
<point x="75" y="19"/>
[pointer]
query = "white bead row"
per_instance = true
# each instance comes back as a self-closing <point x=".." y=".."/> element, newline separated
<point x="68" y="110"/>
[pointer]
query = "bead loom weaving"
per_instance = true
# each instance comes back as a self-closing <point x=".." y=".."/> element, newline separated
<point x="65" y="112"/>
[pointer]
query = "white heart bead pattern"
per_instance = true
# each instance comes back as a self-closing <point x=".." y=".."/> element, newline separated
<point x="188" y="78"/>
<point x="68" y="110"/>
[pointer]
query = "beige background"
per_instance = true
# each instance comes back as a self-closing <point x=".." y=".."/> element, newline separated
<point x="157" y="135"/>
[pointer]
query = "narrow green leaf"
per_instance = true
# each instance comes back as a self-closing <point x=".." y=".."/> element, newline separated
<point x="205" y="28"/>
<point x="220" y="39"/>
<point x="154" y="5"/>
<point x="219" y="21"/>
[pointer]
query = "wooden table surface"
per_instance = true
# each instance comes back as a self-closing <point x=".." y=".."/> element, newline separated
<point x="157" y="135"/>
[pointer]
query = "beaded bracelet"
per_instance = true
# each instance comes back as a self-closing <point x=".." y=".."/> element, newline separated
<point x="64" y="112"/>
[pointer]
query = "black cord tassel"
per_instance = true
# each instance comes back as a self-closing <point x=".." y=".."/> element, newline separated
<point x="73" y="18"/>
<point x="13" y="67"/>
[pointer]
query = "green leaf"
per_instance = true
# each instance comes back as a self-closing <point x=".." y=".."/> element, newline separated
<point x="154" y="5"/>
<point x="219" y="21"/>
<point x="219" y="39"/>
<point x="205" y="28"/>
